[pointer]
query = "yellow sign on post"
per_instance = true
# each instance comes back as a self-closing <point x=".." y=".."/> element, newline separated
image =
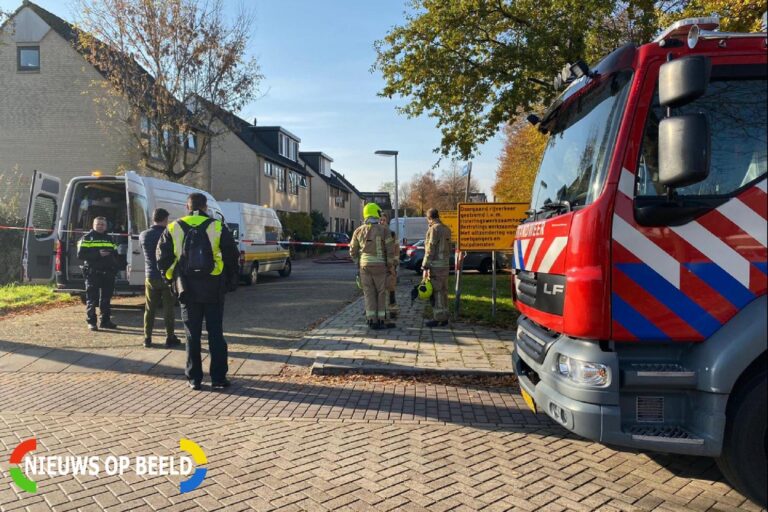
<point x="451" y="219"/>
<point x="489" y="226"/>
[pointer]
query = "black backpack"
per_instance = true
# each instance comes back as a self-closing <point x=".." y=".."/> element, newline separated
<point x="196" y="253"/>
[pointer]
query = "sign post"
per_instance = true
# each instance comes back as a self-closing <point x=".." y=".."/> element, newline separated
<point x="488" y="227"/>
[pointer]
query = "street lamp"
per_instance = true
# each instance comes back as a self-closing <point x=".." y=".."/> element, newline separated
<point x="391" y="152"/>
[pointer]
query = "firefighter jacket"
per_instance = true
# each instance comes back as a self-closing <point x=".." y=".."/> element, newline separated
<point x="89" y="249"/>
<point x="205" y="288"/>
<point x="437" y="246"/>
<point x="371" y="244"/>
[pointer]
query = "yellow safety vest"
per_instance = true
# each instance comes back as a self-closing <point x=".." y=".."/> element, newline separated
<point x="214" y="235"/>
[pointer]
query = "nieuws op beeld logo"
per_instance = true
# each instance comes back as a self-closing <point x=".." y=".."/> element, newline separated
<point x="92" y="465"/>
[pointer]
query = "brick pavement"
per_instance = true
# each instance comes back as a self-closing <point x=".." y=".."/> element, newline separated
<point x="332" y="445"/>
<point x="342" y="341"/>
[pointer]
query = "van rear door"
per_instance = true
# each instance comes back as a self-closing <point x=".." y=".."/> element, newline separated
<point x="136" y="199"/>
<point x="37" y="253"/>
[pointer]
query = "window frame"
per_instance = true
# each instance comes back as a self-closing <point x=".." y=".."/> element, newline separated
<point x="721" y="72"/>
<point x="27" y="69"/>
<point x="280" y="176"/>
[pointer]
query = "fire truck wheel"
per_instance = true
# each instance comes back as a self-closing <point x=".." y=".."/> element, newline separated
<point x="744" y="461"/>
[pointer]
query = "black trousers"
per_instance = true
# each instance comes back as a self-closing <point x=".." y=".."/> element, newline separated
<point x="192" y="315"/>
<point x="99" y="287"/>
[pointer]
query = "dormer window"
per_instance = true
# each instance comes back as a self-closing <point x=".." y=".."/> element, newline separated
<point x="325" y="167"/>
<point x="288" y="147"/>
<point x="28" y="58"/>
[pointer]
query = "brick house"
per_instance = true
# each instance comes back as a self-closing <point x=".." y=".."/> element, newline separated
<point x="49" y="119"/>
<point x="330" y="195"/>
<point x="258" y="165"/>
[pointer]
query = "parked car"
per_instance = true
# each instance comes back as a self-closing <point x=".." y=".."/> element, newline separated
<point x="408" y="250"/>
<point x="256" y="230"/>
<point x="480" y="261"/>
<point x="335" y="237"/>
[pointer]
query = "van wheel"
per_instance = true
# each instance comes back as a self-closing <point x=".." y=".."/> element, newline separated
<point x="744" y="461"/>
<point x="287" y="269"/>
<point x="252" y="276"/>
<point x="485" y="266"/>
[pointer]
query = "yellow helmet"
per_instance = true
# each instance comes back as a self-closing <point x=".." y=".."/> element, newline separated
<point x="425" y="290"/>
<point x="371" y="210"/>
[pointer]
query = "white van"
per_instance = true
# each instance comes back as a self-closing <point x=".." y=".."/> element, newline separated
<point x="50" y="250"/>
<point x="257" y="230"/>
<point x="412" y="229"/>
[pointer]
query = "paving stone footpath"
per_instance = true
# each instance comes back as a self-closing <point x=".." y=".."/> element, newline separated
<point x="35" y="343"/>
<point x="317" y="445"/>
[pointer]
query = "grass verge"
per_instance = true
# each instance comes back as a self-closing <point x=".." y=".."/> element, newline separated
<point x="476" y="299"/>
<point x="16" y="297"/>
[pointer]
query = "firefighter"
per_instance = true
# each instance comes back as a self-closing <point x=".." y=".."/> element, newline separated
<point x="393" y="310"/>
<point x="371" y="249"/>
<point x="199" y="255"/>
<point x="98" y="251"/>
<point x="436" y="265"/>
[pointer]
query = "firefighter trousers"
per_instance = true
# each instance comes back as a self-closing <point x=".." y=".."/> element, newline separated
<point x="373" y="279"/>
<point x="439" y="278"/>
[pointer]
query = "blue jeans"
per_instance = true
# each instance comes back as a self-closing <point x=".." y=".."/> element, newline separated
<point x="192" y="315"/>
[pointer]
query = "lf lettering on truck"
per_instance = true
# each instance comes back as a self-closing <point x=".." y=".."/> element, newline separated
<point x="640" y="274"/>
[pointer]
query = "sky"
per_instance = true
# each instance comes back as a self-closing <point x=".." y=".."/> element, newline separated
<point x="316" y="58"/>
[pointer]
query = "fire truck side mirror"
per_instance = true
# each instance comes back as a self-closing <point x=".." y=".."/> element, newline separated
<point x="684" y="150"/>
<point x="683" y="80"/>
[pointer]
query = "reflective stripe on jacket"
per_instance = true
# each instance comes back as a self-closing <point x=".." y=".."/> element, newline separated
<point x="371" y="244"/>
<point x="214" y="236"/>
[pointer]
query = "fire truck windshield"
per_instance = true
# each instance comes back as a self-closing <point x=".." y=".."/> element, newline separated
<point x="582" y="135"/>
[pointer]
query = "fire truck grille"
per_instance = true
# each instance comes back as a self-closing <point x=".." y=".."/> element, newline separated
<point x="663" y="432"/>
<point x="526" y="288"/>
<point x="649" y="409"/>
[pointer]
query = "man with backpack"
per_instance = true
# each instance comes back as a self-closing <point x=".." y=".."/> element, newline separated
<point x="199" y="255"/>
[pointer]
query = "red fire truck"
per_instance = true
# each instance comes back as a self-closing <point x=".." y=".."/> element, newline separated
<point x="640" y="274"/>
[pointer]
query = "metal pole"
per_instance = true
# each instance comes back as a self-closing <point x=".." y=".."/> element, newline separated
<point x="493" y="285"/>
<point x="397" y="207"/>
<point x="459" y="262"/>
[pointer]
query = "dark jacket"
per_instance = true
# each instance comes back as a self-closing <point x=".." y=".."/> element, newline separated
<point x="89" y="249"/>
<point x="205" y="289"/>
<point x="149" y="240"/>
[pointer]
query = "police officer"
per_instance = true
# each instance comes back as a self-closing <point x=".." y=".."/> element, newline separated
<point x="371" y="248"/>
<point x="436" y="265"/>
<point x="201" y="292"/>
<point x="98" y="251"/>
<point x="393" y="260"/>
<point x="157" y="292"/>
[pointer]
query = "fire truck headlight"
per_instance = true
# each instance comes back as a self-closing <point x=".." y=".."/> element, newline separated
<point x="582" y="372"/>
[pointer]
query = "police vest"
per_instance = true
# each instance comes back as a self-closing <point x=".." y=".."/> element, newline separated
<point x="214" y="235"/>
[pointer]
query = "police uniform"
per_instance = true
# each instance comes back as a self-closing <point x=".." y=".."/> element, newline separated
<point x="371" y="248"/>
<point x="393" y="310"/>
<point x="99" y="272"/>
<point x="437" y="252"/>
<point x="202" y="297"/>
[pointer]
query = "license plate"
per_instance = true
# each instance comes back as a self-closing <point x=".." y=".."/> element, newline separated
<point x="528" y="400"/>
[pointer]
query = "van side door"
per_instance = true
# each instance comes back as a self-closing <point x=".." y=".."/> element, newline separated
<point x="37" y="254"/>
<point x="136" y="199"/>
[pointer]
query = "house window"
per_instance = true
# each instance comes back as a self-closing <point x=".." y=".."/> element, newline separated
<point x="282" y="143"/>
<point x="28" y="58"/>
<point x="293" y="149"/>
<point x="269" y="169"/>
<point x="144" y="125"/>
<point x="293" y="183"/>
<point x="280" y="174"/>
<point x="303" y="182"/>
<point x="325" y="167"/>
<point x="192" y="142"/>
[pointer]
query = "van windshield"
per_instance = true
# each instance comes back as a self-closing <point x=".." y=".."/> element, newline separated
<point x="581" y="140"/>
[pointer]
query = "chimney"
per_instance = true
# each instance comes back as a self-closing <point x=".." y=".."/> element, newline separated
<point x="255" y="121"/>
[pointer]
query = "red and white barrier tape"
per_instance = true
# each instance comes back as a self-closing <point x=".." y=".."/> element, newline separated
<point x="281" y="242"/>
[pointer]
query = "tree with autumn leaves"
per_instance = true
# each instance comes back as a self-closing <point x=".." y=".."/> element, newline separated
<point x="519" y="162"/>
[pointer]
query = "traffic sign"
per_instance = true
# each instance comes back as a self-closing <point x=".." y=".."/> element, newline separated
<point x="451" y="219"/>
<point x="489" y="226"/>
